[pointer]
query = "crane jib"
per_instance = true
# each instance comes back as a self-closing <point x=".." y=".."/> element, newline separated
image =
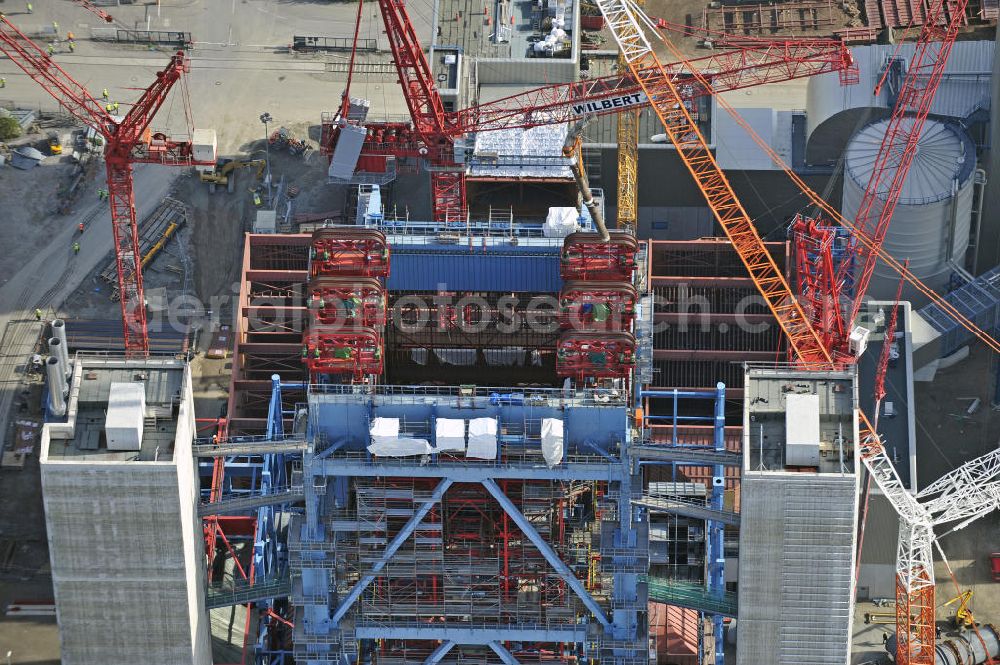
<point x="608" y="103"/>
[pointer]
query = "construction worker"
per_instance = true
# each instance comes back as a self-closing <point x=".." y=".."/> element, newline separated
<point x="76" y="248"/>
<point x="3" y="82"/>
<point x="55" y="27"/>
<point x="104" y="93"/>
<point x="31" y="10"/>
<point x="69" y="36"/>
<point x="51" y="50"/>
<point x="256" y="199"/>
<point x="110" y="108"/>
<point x="38" y="314"/>
<point x="115" y="105"/>
<point x="72" y="46"/>
<point x="79" y="227"/>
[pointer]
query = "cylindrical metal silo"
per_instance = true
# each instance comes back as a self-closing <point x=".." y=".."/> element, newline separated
<point x="930" y="225"/>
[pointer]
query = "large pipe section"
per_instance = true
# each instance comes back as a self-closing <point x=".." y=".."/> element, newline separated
<point x="59" y="332"/>
<point x="572" y="153"/>
<point x="57" y="386"/>
<point x="971" y="647"/>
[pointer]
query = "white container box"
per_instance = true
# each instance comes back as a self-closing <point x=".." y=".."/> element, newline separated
<point x="126" y="411"/>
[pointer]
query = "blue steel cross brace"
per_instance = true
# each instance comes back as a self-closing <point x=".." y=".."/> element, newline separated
<point x="439" y="653"/>
<point x="390" y="550"/>
<point x="546" y="550"/>
<point x="506" y="656"/>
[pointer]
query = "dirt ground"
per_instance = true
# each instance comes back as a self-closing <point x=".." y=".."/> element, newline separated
<point x="28" y="200"/>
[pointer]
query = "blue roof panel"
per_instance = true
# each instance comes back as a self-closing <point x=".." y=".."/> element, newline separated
<point x="442" y="268"/>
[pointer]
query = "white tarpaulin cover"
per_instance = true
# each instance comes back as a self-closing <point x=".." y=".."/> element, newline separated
<point x="449" y="434"/>
<point x="400" y="447"/>
<point x="384" y="428"/>
<point x="386" y="441"/>
<point x="482" y="438"/>
<point x="560" y="222"/>
<point x="552" y="441"/>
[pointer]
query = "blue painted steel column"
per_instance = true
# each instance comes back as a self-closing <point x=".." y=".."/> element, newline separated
<point x="275" y="423"/>
<point x="390" y="550"/>
<point x="439" y="653"/>
<point x="561" y="568"/>
<point x="716" y="530"/>
<point x="506" y="656"/>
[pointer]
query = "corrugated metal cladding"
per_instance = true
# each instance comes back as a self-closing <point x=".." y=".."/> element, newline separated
<point x="527" y="270"/>
<point x="796" y="576"/>
<point x="964" y="87"/>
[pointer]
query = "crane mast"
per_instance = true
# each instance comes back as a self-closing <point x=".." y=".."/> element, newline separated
<point x="426" y="112"/>
<point x="666" y="101"/>
<point x="126" y="143"/>
<point x="915" y="573"/>
<point x="628" y="159"/>
<point x="899" y="143"/>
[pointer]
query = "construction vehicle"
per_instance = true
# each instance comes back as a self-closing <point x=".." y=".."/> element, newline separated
<point x="55" y="144"/>
<point x="963" y="615"/>
<point x="223" y="174"/>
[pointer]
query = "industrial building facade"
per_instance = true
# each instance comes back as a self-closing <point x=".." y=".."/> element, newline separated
<point x="125" y="539"/>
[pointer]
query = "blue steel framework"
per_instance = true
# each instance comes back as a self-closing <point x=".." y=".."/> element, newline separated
<point x="331" y="622"/>
<point x="605" y="623"/>
<point x="715" y="570"/>
<point x="255" y="475"/>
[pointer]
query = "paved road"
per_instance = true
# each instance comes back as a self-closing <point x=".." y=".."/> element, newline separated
<point x="237" y="72"/>
<point x="55" y="272"/>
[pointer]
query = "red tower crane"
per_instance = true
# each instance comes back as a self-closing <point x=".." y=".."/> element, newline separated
<point x="915" y="570"/>
<point x="432" y="132"/>
<point x="128" y="140"/>
<point x="896" y="154"/>
<point x="91" y="7"/>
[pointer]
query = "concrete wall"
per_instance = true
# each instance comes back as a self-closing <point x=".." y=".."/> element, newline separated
<point x="127" y="560"/>
<point x="796" y="581"/>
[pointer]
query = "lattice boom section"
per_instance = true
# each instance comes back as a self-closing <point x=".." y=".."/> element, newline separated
<point x="685" y="135"/>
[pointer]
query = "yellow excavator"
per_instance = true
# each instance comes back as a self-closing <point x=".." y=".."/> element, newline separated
<point x="963" y="615"/>
<point x="224" y="172"/>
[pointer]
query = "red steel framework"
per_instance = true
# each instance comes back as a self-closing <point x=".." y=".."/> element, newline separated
<point x="349" y="252"/>
<point x="585" y="256"/>
<point x="128" y="141"/>
<point x="586" y="355"/>
<point x="347" y="301"/>
<point x="597" y="305"/>
<point x="898" y="150"/>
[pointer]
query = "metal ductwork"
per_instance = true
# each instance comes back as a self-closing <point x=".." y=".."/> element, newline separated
<point x="968" y="648"/>
<point x="57" y="386"/>
<point x="59" y="332"/>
